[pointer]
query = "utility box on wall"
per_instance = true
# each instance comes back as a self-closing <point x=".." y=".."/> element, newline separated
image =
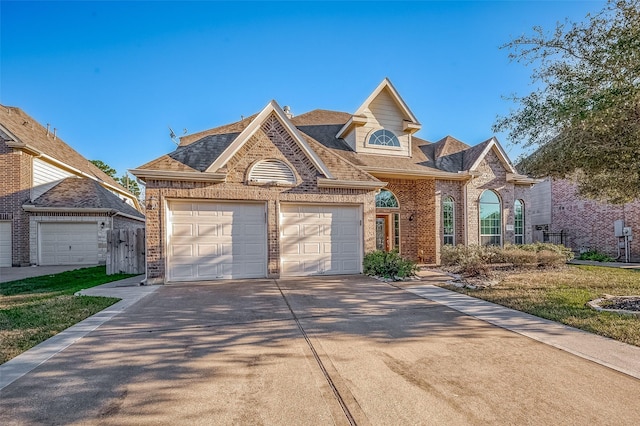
<point x="618" y="228"/>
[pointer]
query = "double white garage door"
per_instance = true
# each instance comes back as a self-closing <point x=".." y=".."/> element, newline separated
<point x="209" y="240"/>
<point x="68" y="243"/>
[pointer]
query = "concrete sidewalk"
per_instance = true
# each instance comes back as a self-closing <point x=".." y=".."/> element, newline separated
<point x="616" y="355"/>
<point x="128" y="290"/>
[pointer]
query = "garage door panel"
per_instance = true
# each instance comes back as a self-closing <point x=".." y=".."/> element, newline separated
<point x="182" y="230"/>
<point x="207" y="230"/>
<point x="229" y="242"/>
<point x="328" y="244"/>
<point x="5" y="243"/>
<point x="68" y="243"/>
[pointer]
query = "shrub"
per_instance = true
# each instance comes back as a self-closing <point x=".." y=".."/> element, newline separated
<point x="596" y="256"/>
<point x="388" y="265"/>
<point x="474" y="260"/>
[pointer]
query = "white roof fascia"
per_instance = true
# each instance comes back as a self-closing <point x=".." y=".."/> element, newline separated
<point x="386" y="83"/>
<point x="502" y="155"/>
<point x="353" y="121"/>
<point x="243" y="137"/>
<point x="334" y="183"/>
<point x="176" y="175"/>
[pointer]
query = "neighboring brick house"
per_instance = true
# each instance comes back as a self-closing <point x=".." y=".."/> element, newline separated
<point x="55" y="205"/>
<point x="585" y="224"/>
<point x="276" y="195"/>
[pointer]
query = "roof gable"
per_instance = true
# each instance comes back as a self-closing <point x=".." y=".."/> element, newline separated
<point x="271" y="108"/>
<point x="386" y="86"/>
<point x="475" y="155"/>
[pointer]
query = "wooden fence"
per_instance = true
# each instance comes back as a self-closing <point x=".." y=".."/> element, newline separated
<point x="125" y="251"/>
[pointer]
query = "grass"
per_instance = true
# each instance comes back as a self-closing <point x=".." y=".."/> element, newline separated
<point x="34" y="309"/>
<point x="561" y="295"/>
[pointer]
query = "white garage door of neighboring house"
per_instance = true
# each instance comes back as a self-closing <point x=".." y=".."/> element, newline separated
<point x="320" y="239"/>
<point x="208" y="240"/>
<point x="68" y="243"/>
<point x="5" y="243"/>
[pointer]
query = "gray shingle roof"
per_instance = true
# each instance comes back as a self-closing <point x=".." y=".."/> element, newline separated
<point x="30" y="132"/>
<point x="83" y="193"/>
<point x="200" y="150"/>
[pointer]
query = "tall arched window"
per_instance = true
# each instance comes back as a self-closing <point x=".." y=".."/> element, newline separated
<point x="448" y="221"/>
<point x="490" y="219"/>
<point x="518" y="221"/>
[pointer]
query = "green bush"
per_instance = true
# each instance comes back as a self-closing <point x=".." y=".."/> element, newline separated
<point x="388" y="265"/>
<point x="596" y="256"/>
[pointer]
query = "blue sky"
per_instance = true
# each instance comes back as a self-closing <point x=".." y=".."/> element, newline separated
<point x="111" y="76"/>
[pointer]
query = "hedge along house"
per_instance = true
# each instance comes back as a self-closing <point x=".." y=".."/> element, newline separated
<point x="277" y="195"/>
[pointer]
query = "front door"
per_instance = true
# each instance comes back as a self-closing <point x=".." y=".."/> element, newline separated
<point x="383" y="232"/>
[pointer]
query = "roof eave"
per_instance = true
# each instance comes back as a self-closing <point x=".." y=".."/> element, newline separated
<point x="522" y="179"/>
<point x="399" y="173"/>
<point x="175" y="175"/>
<point x="356" y="184"/>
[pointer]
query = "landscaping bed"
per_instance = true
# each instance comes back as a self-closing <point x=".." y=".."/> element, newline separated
<point x="34" y="309"/>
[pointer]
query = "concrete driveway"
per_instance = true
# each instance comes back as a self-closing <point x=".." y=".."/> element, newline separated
<point x="341" y="350"/>
<point x="20" y="273"/>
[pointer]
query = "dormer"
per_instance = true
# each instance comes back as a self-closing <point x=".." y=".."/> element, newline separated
<point x="382" y="125"/>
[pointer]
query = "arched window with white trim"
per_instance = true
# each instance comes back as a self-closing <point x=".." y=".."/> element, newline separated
<point x="490" y="219"/>
<point x="518" y="221"/>
<point x="448" y="221"/>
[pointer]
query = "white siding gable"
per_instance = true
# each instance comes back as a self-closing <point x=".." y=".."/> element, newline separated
<point x="382" y="113"/>
<point x="45" y="177"/>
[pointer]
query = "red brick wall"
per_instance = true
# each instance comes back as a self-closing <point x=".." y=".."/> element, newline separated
<point x="15" y="183"/>
<point x="589" y="223"/>
<point x="417" y="236"/>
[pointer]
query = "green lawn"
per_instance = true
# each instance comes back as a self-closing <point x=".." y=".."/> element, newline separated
<point x="34" y="309"/>
<point x="561" y="295"/>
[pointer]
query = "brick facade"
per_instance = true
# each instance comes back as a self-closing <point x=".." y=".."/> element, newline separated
<point x="271" y="141"/>
<point x="492" y="175"/>
<point x="588" y="224"/>
<point x="15" y="175"/>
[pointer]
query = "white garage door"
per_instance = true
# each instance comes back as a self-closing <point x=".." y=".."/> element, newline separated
<point x="5" y="243"/>
<point x="320" y="239"/>
<point x="216" y="240"/>
<point x="68" y="243"/>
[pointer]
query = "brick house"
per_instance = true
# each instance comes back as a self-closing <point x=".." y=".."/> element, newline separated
<point x="277" y="195"/>
<point x="585" y="224"/>
<point x="55" y="205"/>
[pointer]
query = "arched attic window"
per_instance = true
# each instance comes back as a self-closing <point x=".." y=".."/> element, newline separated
<point x="272" y="171"/>
<point x="384" y="137"/>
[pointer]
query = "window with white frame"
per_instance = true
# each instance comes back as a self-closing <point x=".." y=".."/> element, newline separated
<point x="448" y="220"/>
<point x="490" y="219"/>
<point x="518" y="221"/>
<point x="384" y="137"/>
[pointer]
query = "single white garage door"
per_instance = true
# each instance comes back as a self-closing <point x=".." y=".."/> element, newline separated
<point x="320" y="239"/>
<point x="210" y="241"/>
<point x="5" y="243"/>
<point x="68" y="243"/>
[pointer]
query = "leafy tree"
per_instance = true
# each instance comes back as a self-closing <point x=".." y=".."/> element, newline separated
<point x="130" y="183"/>
<point x="105" y="168"/>
<point x="584" y="115"/>
<point x="125" y="180"/>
